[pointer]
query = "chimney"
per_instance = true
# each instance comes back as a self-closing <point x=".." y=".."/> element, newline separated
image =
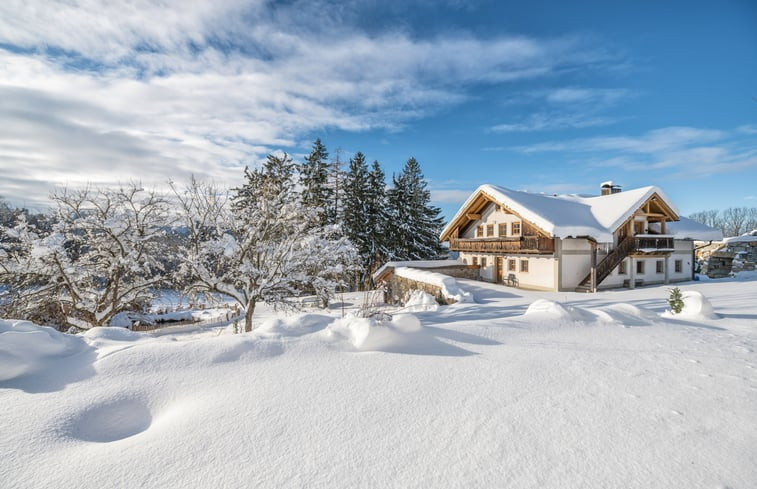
<point x="608" y="188"/>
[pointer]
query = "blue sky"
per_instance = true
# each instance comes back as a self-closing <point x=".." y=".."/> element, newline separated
<point x="542" y="96"/>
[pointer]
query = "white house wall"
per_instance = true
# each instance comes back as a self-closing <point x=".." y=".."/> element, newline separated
<point x="540" y="275"/>
<point x="575" y="262"/>
<point x="683" y="250"/>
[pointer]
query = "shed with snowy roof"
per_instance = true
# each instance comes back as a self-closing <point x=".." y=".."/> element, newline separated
<point x="575" y="242"/>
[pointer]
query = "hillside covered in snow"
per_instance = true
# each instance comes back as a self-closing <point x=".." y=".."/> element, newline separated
<point x="517" y="389"/>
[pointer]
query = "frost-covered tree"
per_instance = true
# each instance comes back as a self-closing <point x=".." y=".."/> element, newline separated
<point x="261" y="248"/>
<point x="414" y="224"/>
<point x="314" y="175"/>
<point x="99" y="258"/>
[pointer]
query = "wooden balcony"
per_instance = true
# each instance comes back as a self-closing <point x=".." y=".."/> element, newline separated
<point x="525" y="244"/>
<point x="653" y="243"/>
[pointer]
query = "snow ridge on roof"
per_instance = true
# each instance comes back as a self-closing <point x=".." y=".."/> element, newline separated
<point x="566" y="216"/>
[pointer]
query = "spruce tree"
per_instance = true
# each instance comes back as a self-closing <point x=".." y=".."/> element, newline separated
<point x="356" y="192"/>
<point x="675" y="300"/>
<point x="377" y="220"/>
<point x="314" y="173"/>
<point x="336" y="189"/>
<point x="415" y="223"/>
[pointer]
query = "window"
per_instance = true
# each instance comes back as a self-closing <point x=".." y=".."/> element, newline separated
<point x="474" y="260"/>
<point x="679" y="266"/>
<point x="523" y="265"/>
<point x="640" y="267"/>
<point x="516" y="229"/>
<point x="490" y="230"/>
<point x="622" y="268"/>
<point x="638" y="227"/>
<point x="660" y="266"/>
<point x="511" y="265"/>
<point x="483" y="262"/>
<point x="480" y="231"/>
<point x="465" y="261"/>
<point x="503" y="229"/>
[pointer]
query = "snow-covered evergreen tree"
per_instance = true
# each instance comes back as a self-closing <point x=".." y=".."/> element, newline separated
<point x="100" y="257"/>
<point x="377" y="220"/>
<point x="262" y="248"/>
<point x="314" y="175"/>
<point x="356" y="190"/>
<point x="415" y="223"/>
<point x="336" y="185"/>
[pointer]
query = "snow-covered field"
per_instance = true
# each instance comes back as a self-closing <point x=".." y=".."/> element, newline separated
<point x="520" y="389"/>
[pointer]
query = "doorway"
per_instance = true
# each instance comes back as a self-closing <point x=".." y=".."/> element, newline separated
<point x="499" y="269"/>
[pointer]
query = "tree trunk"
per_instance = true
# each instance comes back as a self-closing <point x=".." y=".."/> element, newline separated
<point x="248" y="312"/>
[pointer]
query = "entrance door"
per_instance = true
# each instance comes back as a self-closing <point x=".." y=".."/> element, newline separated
<point x="499" y="269"/>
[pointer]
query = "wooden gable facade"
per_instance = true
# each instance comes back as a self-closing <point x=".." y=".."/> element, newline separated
<point x="489" y="237"/>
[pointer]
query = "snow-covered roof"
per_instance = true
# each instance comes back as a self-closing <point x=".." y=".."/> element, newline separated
<point x="566" y="216"/>
<point x="749" y="237"/>
<point x="416" y="264"/>
<point x="686" y="228"/>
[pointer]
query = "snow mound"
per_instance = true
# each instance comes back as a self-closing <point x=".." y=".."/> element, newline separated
<point x="298" y="325"/>
<point x="403" y="334"/>
<point x="420" y="301"/>
<point x="556" y="311"/>
<point x="23" y="345"/>
<point x="449" y="286"/>
<point x="624" y="314"/>
<point x="696" y="305"/>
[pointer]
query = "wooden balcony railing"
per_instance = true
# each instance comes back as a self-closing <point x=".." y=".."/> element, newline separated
<point x="653" y="242"/>
<point x="525" y="244"/>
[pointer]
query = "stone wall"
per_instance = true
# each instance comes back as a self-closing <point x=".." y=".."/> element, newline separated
<point x="399" y="288"/>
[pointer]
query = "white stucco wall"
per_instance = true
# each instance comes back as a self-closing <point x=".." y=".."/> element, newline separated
<point x="540" y="275"/>
<point x="575" y="261"/>
<point x="650" y="276"/>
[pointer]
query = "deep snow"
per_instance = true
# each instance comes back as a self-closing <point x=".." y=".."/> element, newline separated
<point x="520" y="389"/>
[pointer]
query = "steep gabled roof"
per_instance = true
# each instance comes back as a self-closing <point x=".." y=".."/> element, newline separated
<point x="565" y="216"/>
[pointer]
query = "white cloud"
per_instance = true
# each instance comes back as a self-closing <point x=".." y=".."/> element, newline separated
<point x="680" y="151"/>
<point x="565" y="108"/>
<point x="103" y="91"/>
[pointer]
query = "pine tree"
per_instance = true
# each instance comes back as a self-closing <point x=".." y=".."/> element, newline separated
<point x="675" y="300"/>
<point x="415" y="223"/>
<point x="314" y="173"/>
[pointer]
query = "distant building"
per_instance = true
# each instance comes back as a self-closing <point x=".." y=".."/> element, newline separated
<point x="574" y="242"/>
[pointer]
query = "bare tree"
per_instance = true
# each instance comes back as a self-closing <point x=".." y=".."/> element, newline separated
<point x="99" y="258"/>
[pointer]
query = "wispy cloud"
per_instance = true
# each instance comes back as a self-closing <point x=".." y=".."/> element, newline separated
<point x="685" y="151"/>
<point x="93" y="91"/>
<point x="565" y="108"/>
